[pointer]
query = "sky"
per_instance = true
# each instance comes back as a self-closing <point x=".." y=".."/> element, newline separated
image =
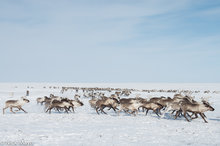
<point x="103" y="41"/>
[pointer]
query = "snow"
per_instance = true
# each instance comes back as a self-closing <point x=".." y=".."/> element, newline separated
<point x="85" y="127"/>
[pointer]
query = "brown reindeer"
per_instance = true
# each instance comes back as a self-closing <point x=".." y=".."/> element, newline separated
<point x="130" y="106"/>
<point x="173" y="104"/>
<point x="198" y="108"/>
<point x="106" y="102"/>
<point x="92" y="102"/>
<point x="156" y="99"/>
<point x="42" y="100"/>
<point x="76" y="103"/>
<point x="56" y="104"/>
<point x="15" y="104"/>
<point x="156" y="107"/>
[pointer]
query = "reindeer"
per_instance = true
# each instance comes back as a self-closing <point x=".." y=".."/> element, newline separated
<point x="130" y="105"/>
<point x="15" y="104"/>
<point x="92" y="102"/>
<point x="198" y="108"/>
<point x="156" y="107"/>
<point x="76" y="96"/>
<point x="156" y="99"/>
<point x="76" y="103"/>
<point x="40" y="100"/>
<point x="106" y="102"/>
<point x="47" y="103"/>
<point x="127" y="100"/>
<point x="66" y="104"/>
<point x="174" y="103"/>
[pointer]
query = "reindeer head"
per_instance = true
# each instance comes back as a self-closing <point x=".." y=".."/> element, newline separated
<point x="116" y="100"/>
<point x="24" y="99"/>
<point x="207" y="105"/>
<point x="76" y="96"/>
<point x="77" y="103"/>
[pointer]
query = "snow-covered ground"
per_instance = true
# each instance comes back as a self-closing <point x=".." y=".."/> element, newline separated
<point x="85" y="127"/>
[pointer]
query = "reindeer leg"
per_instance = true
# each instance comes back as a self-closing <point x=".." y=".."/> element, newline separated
<point x="103" y="110"/>
<point x="119" y="111"/>
<point x="173" y="111"/>
<point x="192" y="115"/>
<point x="139" y="108"/>
<point x="167" y="109"/>
<point x="73" y="109"/>
<point x="12" y="110"/>
<point x="180" y="113"/>
<point x="185" y="116"/>
<point x="46" y="110"/>
<point x="114" y="109"/>
<point x="66" y="110"/>
<point x="177" y="112"/>
<point x="203" y="117"/>
<point x="22" y="109"/>
<point x="97" y="110"/>
<point x="126" y="111"/>
<point x="49" y="109"/>
<point x="4" y="110"/>
<point x="159" y="111"/>
<point x="156" y="112"/>
<point x="133" y="112"/>
<point x="188" y="115"/>
<point x="147" y="111"/>
<point x="17" y="109"/>
<point x="69" y="109"/>
<point x="196" y="116"/>
<point x="136" y="112"/>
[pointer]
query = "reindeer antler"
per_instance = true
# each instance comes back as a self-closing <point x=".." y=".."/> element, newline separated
<point x="205" y="98"/>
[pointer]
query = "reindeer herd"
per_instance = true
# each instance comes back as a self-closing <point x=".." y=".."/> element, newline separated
<point x="177" y="106"/>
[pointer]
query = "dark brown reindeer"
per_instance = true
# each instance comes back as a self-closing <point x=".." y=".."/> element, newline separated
<point x="156" y="99"/>
<point x="106" y="102"/>
<point x="15" y="104"/>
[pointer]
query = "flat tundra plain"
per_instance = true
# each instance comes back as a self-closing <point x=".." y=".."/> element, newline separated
<point x="86" y="127"/>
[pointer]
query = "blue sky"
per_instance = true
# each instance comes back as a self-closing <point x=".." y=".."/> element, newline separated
<point x="110" y="41"/>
